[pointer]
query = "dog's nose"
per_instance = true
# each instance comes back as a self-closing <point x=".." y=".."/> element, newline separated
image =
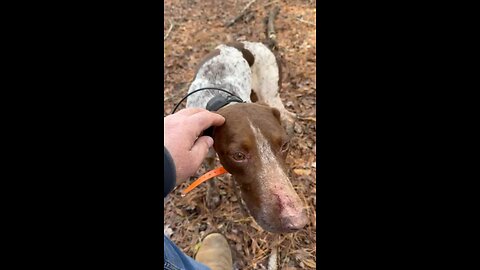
<point x="294" y="223"/>
<point x="292" y="227"/>
<point x="292" y="214"/>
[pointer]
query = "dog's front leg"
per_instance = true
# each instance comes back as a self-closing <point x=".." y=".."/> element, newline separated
<point x="212" y="198"/>
<point x="286" y="117"/>
<point x="288" y="121"/>
<point x="236" y="190"/>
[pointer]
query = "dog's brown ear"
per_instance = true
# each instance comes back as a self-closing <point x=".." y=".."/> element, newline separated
<point x="214" y="137"/>
<point x="275" y="111"/>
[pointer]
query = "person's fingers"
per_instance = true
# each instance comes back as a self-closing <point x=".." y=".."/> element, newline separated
<point x="189" y="111"/>
<point x="203" y="120"/>
<point x="200" y="150"/>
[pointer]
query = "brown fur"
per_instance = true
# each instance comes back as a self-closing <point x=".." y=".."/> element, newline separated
<point x="263" y="201"/>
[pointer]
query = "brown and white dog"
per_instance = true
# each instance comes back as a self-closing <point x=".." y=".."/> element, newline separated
<point x="253" y="143"/>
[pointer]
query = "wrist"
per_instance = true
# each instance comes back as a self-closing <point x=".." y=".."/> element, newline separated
<point x="169" y="172"/>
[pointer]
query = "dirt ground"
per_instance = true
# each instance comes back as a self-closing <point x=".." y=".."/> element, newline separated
<point x="192" y="28"/>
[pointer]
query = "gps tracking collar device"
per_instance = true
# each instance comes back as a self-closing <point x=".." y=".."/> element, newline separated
<point x="218" y="102"/>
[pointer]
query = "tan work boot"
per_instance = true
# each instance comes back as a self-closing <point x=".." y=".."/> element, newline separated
<point x="215" y="252"/>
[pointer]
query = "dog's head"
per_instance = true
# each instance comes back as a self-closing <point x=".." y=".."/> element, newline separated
<point x="252" y="146"/>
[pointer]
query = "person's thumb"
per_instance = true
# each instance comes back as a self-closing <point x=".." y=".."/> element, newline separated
<point x="200" y="149"/>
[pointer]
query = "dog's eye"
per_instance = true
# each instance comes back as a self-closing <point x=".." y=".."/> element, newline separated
<point x="285" y="146"/>
<point x="239" y="156"/>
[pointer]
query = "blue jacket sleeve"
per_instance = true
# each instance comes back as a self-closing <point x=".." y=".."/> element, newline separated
<point x="169" y="176"/>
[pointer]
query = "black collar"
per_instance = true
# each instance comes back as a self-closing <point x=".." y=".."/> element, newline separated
<point x="216" y="102"/>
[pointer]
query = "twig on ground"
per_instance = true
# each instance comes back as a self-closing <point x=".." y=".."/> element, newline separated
<point x="242" y="13"/>
<point x="314" y="119"/>
<point x="307" y="22"/>
<point x="272" y="261"/>
<point x="258" y="8"/>
<point x="169" y="30"/>
<point x="269" y="3"/>
<point x="271" y="35"/>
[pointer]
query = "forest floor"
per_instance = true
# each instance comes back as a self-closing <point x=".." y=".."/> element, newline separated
<point x="193" y="28"/>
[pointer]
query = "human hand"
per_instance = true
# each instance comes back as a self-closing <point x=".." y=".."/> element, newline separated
<point x="181" y="131"/>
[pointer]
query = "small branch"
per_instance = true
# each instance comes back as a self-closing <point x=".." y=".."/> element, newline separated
<point x="242" y="13"/>
<point x="271" y="35"/>
<point x="268" y="4"/>
<point x="264" y="6"/>
<point x="313" y="119"/>
<point x="272" y="261"/>
<point x="169" y="30"/>
<point x="307" y="22"/>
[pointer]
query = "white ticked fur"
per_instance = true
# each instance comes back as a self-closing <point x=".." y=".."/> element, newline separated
<point x="228" y="70"/>
<point x="265" y="75"/>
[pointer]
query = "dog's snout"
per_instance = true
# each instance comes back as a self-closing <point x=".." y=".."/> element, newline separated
<point x="292" y="215"/>
<point x="291" y="227"/>
<point x="294" y="223"/>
